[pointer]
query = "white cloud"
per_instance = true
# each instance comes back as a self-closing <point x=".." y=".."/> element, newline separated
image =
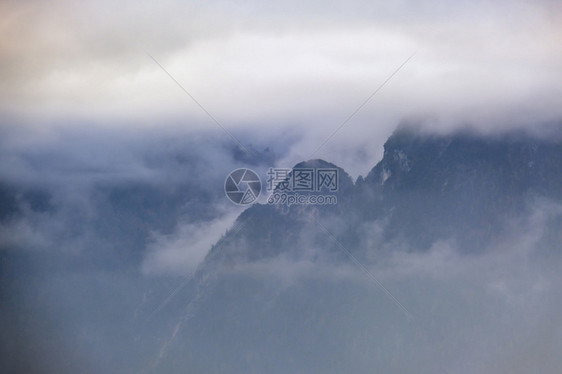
<point x="183" y="250"/>
<point x="273" y="66"/>
<point x="475" y="62"/>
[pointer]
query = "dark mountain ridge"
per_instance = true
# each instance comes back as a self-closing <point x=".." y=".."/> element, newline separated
<point x="250" y="308"/>
<point x="462" y="187"/>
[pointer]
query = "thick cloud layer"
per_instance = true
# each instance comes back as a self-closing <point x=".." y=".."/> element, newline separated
<point x="489" y="65"/>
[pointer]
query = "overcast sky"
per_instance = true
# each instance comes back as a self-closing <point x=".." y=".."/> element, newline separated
<point x="130" y="169"/>
<point x="267" y="66"/>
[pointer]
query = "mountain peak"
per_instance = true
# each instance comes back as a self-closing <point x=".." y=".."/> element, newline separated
<point x="315" y="163"/>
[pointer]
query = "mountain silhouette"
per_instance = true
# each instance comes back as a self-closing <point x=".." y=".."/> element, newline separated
<point x="275" y="293"/>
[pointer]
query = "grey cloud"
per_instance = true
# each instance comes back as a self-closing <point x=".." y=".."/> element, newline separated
<point x="112" y="191"/>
